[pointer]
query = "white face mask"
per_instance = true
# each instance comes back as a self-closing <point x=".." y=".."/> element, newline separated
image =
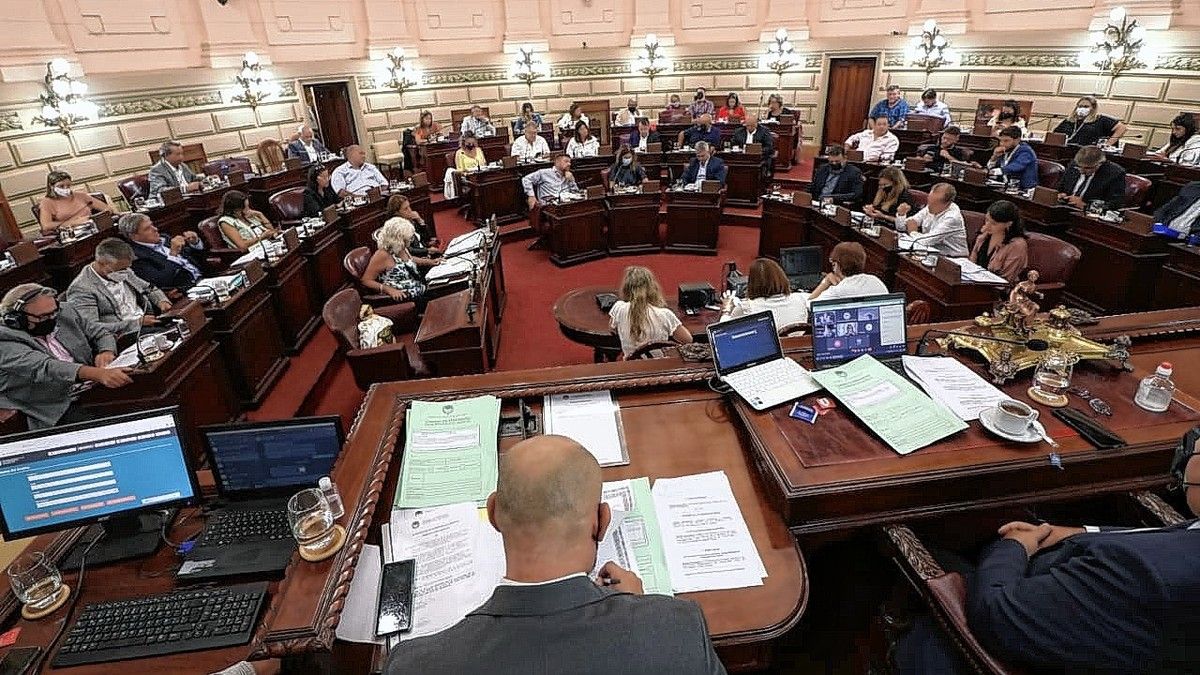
<point x="119" y="275"/>
<point x="62" y="191"/>
<point x="1083" y="111"/>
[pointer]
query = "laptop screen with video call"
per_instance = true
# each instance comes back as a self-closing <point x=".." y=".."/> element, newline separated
<point x="847" y="328"/>
<point x="744" y="342"/>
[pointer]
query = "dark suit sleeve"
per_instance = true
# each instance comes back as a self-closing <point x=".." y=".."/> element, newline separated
<point x="852" y="192"/>
<point x="1066" y="184"/>
<point x="1114" y="190"/>
<point x="722" y="171"/>
<point x="818" y="181"/>
<point x="689" y="174"/>
<point x="1178" y="204"/>
<point x="712" y="664"/>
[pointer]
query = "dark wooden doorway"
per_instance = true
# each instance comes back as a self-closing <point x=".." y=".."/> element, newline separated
<point x="332" y="114"/>
<point x="847" y="98"/>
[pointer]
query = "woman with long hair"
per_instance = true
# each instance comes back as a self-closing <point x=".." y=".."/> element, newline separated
<point x="392" y="269"/>
<point x="1183" y="146"/>
<point x="892" y="192"/>
<point x="1002" y="246"/>
<point x="626" y="170"/>
<point x="527" y="116"/>
<point x="641" y="315"/>
<point x="64" y="207"/>
<point x="242" y="226"/>
<point x="583" y="144"/>
<point x="768" y="289"/>
<point x="1086" y="126"/>
<point x="426" y="128"/>
<point x="318" y="192"/>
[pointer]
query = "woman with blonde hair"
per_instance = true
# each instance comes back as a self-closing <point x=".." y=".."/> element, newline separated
<point x="392" y="269"/>
<point x="768" y="290"/>
<point x="1086" y="126"/>
<point x="641" y="315"/>
<point x="64" y="207"/>
<point x="892" y="192"/>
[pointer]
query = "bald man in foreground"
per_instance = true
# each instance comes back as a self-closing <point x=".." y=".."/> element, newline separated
<point x="547" y="616"/>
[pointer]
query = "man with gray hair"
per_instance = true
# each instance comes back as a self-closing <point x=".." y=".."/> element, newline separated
<point x="704" y="167"/>
<point x="45" y="349"/>
<point x="172" y="264"/>
<point x="307" y="147"/>
<point x="356" y="175"/>
<point x="107" y="291"/>
<point x="703" y="130"/>
<point x="547" y="616"/>
<point x="171" y="172"/>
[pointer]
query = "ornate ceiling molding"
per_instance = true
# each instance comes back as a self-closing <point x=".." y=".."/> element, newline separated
<point x="139" y="104"/>
<point x="992" y="59"/>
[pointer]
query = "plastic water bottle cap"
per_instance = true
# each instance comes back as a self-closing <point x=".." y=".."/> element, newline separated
<point x="1165" y="368"/>
<point x="325" y="483"/>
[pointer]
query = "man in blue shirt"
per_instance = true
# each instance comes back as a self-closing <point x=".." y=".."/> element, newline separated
<point x="1015" y="160"/>
<point x="894" y="106"/>
<point x="703" y="130"/>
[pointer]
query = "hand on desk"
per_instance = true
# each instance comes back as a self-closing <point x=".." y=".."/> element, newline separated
<point x="1077" y="202"/>
<point x="395" y="293"/>
<point x="109" y="377"/>
<point x="147" y="320"/>
<point x="1037" y="537"/>
<point x="104" y="358"/>
<point x="613" y="575"/>
<point x="165" y="306"/>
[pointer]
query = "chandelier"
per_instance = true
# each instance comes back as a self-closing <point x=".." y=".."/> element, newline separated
<point x="528" y="68"/>
<point x="650" y="61"/>
<point x="1118" y="46"/>
<point x="63" y="102"/>
<point x="393" y="72"/>
<point x="255" y="84"/>
<point x="780" y="56"/>
<point x="930" y="50"/>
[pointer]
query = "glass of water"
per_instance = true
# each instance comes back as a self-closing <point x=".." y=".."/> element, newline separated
<point x="311" y="520"/>
<point x="35" y="580"/>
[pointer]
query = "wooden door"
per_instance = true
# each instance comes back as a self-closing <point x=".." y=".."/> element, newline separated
<point x="847" y="98"/>
<point x="334" y="116"/>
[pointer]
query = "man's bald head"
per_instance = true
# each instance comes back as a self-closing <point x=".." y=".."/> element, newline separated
<point x="549" y="486"/>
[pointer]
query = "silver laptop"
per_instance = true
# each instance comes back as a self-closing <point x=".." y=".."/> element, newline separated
<point x="749" y="359"/>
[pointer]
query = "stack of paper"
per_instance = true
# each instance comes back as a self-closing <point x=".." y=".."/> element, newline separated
<point x="908" y="242"/>
<point x="449" y="268"/>
<point x="465" y="242"/>
<point x="591" y="419"/>
<point x="638" y="528"/>
<point x="974" y="273"/>
<point x="705" y="537"/>
<point x="450" y="452"/>
<point x="951" y="383"/>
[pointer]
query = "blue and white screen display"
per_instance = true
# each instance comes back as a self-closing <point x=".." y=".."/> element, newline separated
<point x="739" y="342"/>
<point x="52" y="481"/>
<point x="845" y="330"/>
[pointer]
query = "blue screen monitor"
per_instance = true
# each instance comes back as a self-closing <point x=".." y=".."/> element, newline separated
<point x="744" y="342"/>
<point x="261" y="459"/>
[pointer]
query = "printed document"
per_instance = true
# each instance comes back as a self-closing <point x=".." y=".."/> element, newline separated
<point x="590" y="418"/>
<point x="953" y="384"/>
<point x="615" y="547"/>
<point x="639" y="530"/>
<point x="450" y="452"/>
<point x="974" y="273"/>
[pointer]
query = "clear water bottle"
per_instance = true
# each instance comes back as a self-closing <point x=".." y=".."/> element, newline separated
<point x="1155" y="392"/>
<point x="332" y="496"/>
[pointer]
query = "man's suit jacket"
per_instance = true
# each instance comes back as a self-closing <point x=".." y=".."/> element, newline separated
<point x="715" y="170"/>
<point x="1106" y="602"/>
<point x="762" y="137"/>
<point x="1179" y="204"/>
<point x="849" y="184"/>
<point x="159" y="270"/>
<point x="1107" y="184"/>
<point x="635" y="138"/>
<point x="570" y="626"/>
<point x="296" y="148"/>
<point x="91" y="297"/>
<point x="162" y="176"/>
<point x="36" y="383"/>
<point x="695" y="134"/>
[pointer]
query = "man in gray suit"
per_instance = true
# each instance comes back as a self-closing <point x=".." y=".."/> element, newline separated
<point x="547" y="617"/>
<point x="307" y="147"/>
<point x="108" y="292"/>
<point x="45" y="350"/>
<point x="170" y="171"/>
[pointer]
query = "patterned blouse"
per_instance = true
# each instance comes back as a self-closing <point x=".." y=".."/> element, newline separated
<point x="403" y="276"/>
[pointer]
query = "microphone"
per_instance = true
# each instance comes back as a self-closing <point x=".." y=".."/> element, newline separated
<point x="1032" y="344"/>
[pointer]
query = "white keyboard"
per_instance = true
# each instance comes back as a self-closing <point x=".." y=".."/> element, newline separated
<point x="770" y="384"/>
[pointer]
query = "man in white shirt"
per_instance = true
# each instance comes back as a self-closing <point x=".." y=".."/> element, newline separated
<point x="877" y="143"/>
<point x="545" y="184"/>
<point x="355" y="176"/>
<point x="930" y="105"/>
<point x="478" y="123"/>
<point x="939" y="226"/>
<point x="308" y="147"/>
<point x="530" y="145"/>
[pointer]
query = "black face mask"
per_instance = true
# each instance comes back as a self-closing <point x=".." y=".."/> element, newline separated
<point x="470" y="146"/>
<point x="836" y="168"/>
<point x="632" y="108"/>
<point x="43" y="328"/>
<point x="699" y="96"/>
<point x="704" y="127"/>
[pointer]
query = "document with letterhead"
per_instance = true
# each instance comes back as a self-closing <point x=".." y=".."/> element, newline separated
<point x="450" y="452"/>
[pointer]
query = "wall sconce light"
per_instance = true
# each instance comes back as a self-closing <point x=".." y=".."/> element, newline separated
<point x="1118" y="47"/>
<point x="393" y="72"/>
<point x="527" y="68"/>
<point x="650" y="61"/>
<point x="931" y="50"/>
<point x="255" y="84"/>
<point x="63" y="102"/>
<point x="780" y="56"/>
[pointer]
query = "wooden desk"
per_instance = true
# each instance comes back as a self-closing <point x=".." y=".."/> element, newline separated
<point x="826" y="232"/>
<point x="206" y="204"/>
<point x="633" y="223"/>
<point x="575" y="231"/>
<point x="1050" y="220"/>
<point x="260" y="187"/>
<point x="1063" y="154"/>
<point x="360" y="222"/>
<point x="743" y="180"/>
<point x="580" y="320"/>
<point x="917" y="180"/>
<point x="948" y="300"/>
<point x="1179" y="281"/>
<point x="30" y="269"/>
<point x="786" y="142"/>
<point x="431" y="158"/>
<point x="324" y="250"/>
<point x="291" y="294"/>
<point x="1119" y="266"/>
<point x="497" y="192"/>
<point x="64" y="261"/>
<point x="248" y="332"/>
<point x="911" y="139"/>
<point x="670" y="131"/>
<point x="783" y="224"/>
<point x="171" y="219"/>
<point x="693" y="221"/>
<point x="587" y="170"/>
<point x="972" y="196"/>
<point x="460" y="331"/>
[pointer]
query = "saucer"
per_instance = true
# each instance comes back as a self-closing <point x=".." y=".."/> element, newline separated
<point x="987" y="419"/>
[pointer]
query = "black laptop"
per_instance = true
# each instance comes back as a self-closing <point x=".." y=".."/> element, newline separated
<point x="257" y="467"/>
<point x="846" y="328"/>
<point x="802" y="264"/>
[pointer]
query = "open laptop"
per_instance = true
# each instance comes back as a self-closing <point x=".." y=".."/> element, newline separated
<point x="802" y="264"/>
<point x="257" y="467"/>
<point x="846" y="328"/>
<point x="749" y="358"/>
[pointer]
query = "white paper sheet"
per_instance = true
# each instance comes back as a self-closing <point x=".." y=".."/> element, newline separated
<point x="590" y="418"/>
<point x="464" y="242"/>
<point x="951" y="383"/>
<point x="357" y="623"/>
<point x="615" y="546"/>
<point x="450" y="268"/>
<point x="974" y="273"/>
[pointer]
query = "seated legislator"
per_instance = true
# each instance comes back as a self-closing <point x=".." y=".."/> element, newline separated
<point x="848" y="280"/>
<point x="546" y="184"/>
<point x="64" y="207"/>
<point x="776" y="109"/>
<point x="527" y="118"/>
<point x="172" y="265"/>
<point x="938" y="226"/>
<point x="1013" y="160"/>
<point x="530" y="145"/>
<point x="469" y="156"/>
<point x="110" y="294"/>
<point x="426" y="128"/>
<point x="1086" y="126"/>
<point x="752" y="132"/>
<point x="477" y="123"/>
<point x="1182" y="213"/>
<point x="583" y="143"/>
<point x="704" y="166"/>
<point x="392" y="269"/>
<point x="931" y="106"/>
<point x="837" y="179"/>
<point x="546" y="616"/>
<point x="308" y="147"/>
<point x="675" y="109"/>
<point x="398" y="206"/>
<point x="641" y="316"/>
<point x="242" y="226"/>
<point x="702" y="130"/>
<point x="625" y="171"/>
<point x="171" y="172"/>
<point x="945" y="151"/>
<point x="45" y="349"/>
<point x="733" y="110"/>
<point x="1092" y="177"/>
<point x="877" y="142"/>
<point x="643" y="135"/>
<point x="892" y="192"/>
<point x="701" y="105"/>
<point x="1002" y="246"/>
<point x="1009" y="115"/>
<point x="356" y="176"/>
<point x="894" y="107"/>
<point x="570" y="119"/>
<point x="318" y="191"/>
<point x="1183" y="146"/>
<point x="629" y="115"/>
<point x="767" y="290"/>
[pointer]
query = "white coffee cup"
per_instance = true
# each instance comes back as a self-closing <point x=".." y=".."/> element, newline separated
<point x="1014" y="417"/>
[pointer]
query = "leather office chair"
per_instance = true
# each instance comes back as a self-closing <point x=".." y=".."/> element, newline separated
<point x="216" y="250"/>
<point x="287" y="207"/>
<point x="1055" y="261"/>
<point x="397" y="361"/>
<point x="652" y="350"/>
<point x="270" y="155"/>
<point x="920" y="200"/>
<point x="355" y="263"/>
<point x="1137" y="190"/>
<point x="1050" y="173"/>
<point x="224" y="167"/>
<point x="917" y="311"/>
<point x="134" y="186"/>
<point x="973" y="221"/>
<point x="793" y="329"/>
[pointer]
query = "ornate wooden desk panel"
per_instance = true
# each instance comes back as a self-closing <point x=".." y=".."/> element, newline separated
<point x="248" y="332"/>
<point x="743" y="180"/>
<point x="291" y="294"/>
<point x="633" y="222"/>
<point x="324" y="250"/>
<point x="575" y="231"/>
<point x="783" y="224"/>
<point x="1179" y="280"/>
<point x="1119" y="266"/>
<point x="497" y="192"/>
<point x="693" y="221"/>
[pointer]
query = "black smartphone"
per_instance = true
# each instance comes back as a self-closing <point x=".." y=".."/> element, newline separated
<point x="18" y="660"/>
<point x="395" y="598"/>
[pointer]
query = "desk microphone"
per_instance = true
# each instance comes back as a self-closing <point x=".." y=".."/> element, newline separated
<point x="1032" y="344"/>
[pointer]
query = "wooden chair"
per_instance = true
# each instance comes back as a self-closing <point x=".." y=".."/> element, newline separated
<point x="270" y="155"/>
<point x="917" y="311"/>
<point x="1050" y="173"/>
<point x="216" y="250"/>
<point x="1055" y="261"/>
<point x="355" y="263"/>
<point x="973" y="221"/>
<point x="287" y="207"/>
<point x="397" y="361"/>
<point x="652" y="350"/>
<point x="1137" y="190"/>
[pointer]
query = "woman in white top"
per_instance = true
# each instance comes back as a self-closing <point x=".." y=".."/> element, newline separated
<point x="768" y="290"/>
<point x="583" y="144"/>
<point x="1184" y="145"/>
<point x="847" y="280"/>
<point x="572" y="117"/>
<point x="641" y="315"/>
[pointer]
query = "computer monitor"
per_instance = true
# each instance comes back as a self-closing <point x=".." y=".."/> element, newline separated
<point x="744" y="342"/>
<point x="263" y="459"/>
<point x="94" y="472"/>
<point x="846" y="328"/>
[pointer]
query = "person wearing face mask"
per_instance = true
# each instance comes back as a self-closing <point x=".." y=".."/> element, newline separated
<point x="892" y="192"/>
<point x="836" y="179"/>
<point x="700" y="104"/>
<point x="1009" y="115"/>
<point x="469" y="156"/>
<point x="109" y="293"/>
<point x="752" y="132"/>
<point x="703" y="130"/>
<point x="1086" y="126"/>
<point x="242" y="226"/>
<point x="64" y="207"/>
<point x="629" y="115"/>
<point x="45" y="350"/>
<point x="675" y="110"/>
<point x="626" y="170"/>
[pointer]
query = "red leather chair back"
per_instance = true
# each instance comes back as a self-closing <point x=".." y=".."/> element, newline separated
<point x="917" y="311"/>
<point x="1050" y="173"/>
<point x="287" y="204"/>
<point x="210" y="231"/>
<point x="356" y="261"/>
<point x="1137" y="189"/>
<point x="973" y="221"/>
<point x="341" y="316"/>
<point x="920" y="199"/>
<point x="134" y="186"/>
<point x="1053" y="258"/>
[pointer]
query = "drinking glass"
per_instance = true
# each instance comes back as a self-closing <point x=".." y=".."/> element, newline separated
<point x="149" y="348"/>
<point x="311" y="520"/>
<point x="35" y="580"/>
<point x="1052" y="378"/>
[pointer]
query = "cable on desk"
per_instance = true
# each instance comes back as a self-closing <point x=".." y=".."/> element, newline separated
<point x="72" y="604"/>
